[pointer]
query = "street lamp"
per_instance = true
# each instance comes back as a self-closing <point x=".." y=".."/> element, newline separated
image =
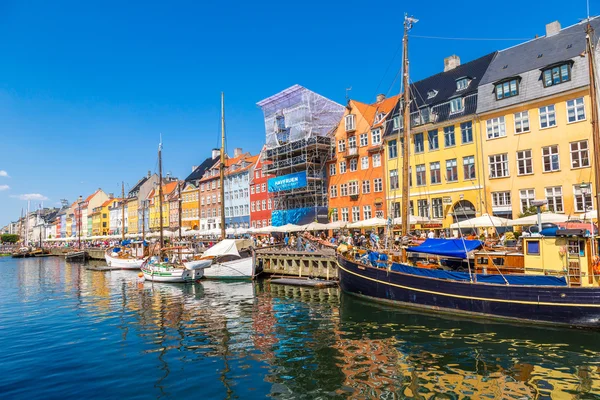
<point x="539" y="204"/>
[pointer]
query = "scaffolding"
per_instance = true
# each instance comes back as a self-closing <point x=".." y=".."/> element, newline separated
<point x="299" y="127"/>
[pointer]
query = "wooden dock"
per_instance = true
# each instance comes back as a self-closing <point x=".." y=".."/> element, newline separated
<point x="278" y="261"/>
<point x="314" y="283"/>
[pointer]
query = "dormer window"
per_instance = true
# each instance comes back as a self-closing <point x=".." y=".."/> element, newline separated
<point x="456" y="105"/>
<point x="431" y="94"/>
<point x="556" y="75"/>
<point x="379" y="117"/>
<point x="462" y="84"/>
<point x="349" y="122"/>
<point x="397" y="122"/>
<point x="507" y="88"/>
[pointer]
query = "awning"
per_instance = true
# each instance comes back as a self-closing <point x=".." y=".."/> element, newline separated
<point x="447" y="247"/>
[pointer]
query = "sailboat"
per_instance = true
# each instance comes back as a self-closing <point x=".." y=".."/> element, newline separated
<point x="129" y="254"/>
<point x="169" y="265"/>
<point x="566" y="292"/>
<point x="230" y="258"/>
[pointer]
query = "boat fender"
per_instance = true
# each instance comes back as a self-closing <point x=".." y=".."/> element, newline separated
<point x="596" y="265"/>
<point x="562" y="251"/>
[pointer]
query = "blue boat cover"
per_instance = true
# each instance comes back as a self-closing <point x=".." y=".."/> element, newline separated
<point x="525" y="280"/>
<point x="125" y="242"/>
<point x="447" y="247"/>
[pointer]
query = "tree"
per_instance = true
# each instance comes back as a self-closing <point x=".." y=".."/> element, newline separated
<point x="9" y="238"/>
<point x="529" y="211"/>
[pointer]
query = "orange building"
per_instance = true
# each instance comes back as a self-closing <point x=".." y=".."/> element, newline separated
<point x="356" y="175"/>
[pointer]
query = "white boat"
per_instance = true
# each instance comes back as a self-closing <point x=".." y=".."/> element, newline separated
<point x="156" y="271"/>
<point x="230" y="259"/>
<point x="125" y="257"/>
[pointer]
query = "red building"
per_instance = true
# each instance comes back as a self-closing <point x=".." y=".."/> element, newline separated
<point x="261" y="203"/>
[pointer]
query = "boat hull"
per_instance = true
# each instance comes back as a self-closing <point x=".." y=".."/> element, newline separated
<point x="172" y="275"/>
<point x="123" y="263"/>
<point x="576" y="307"/>
<point x="236" y="269"/>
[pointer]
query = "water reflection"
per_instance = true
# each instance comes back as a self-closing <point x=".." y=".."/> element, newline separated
<point x="251" y="340"/>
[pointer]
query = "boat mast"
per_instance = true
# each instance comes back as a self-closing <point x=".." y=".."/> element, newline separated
<point x="122" y="211"/>
<point x="143" y="221"/>
<point x="594" y="100"/>
<point x="222" y="166"/>
<point x="160" y="195"/>
<point x="408" y="21"/>
<point x="179" y="205"/>
<point x="79" y="200"/>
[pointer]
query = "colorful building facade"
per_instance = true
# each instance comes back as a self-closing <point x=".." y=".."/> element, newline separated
<point x="261" y="201"/>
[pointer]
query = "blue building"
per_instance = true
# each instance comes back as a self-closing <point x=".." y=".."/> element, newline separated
<point x="237" y="189"/>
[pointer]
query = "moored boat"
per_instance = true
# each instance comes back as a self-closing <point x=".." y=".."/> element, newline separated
<point x="230" y="259"/>
<point x="129" y="255"/>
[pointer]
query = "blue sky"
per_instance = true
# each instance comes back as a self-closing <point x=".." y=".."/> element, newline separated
<point x="86" y="89"/>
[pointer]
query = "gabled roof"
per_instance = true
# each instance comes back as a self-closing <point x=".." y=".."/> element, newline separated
<point x="137" y="186"/>
<point x="107" y="202"/>
<point x="251" y="160"/>
<point x="199" y="171"/>
<point x="540" y="52"/>
<point x="91" y="196"/>
<point x="370" y="111"/>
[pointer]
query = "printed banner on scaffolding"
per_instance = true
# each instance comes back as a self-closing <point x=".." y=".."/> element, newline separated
<point x="287" y="182"/>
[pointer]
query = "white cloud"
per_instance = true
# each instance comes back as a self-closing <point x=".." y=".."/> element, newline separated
<point x="31" y="196"/>
<point x="3" y="173"/>
<point x="4" y="187"/>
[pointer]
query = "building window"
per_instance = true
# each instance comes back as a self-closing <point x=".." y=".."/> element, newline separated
<point x="345" y="214"/>
<point x="393" y="179"/>
<point x="334" y="215"/>
<point x="342" y="167"/>
<point x="341" y="146"/>
<point x="469" y="167"/>
<point x="355" y="213"/>
<point x="550" y="158"/>
<point x="344" y="189"/>
<point x="258" y="205"/>
<point x="522" y="122"/>
<point x="498" y="165"/>
<point x="257" y="189"/>
<point x="364" y="162"/>
<point x="466" y="130"/>
<point x="333" y="191"/>
<point x="432" y="137"/>
<point x="392" y="149"/>
<point x="451" y="170"/>
<point x="353" y="165"/>
<point x="526" y="196"/>
<point x="547" y="117"/>
<point x="582" y="198"/>
<point x="495" y="128"/>
<point x="264" y="205"/>
<point x="420" y="175"/>
<point x="580" y="156"/>
<point x="379" y="117"/>
<point x="366" y="187"/>
<point x="331" y="173"/>
<point x="556" y="75"/>
<point x="264" y="187"/>
<point x="423" y="208"/>
<point x="367" y="212"/>
<point x="252" y="206"/>
<point x="437" y="208"/>
<point x="419" y="143"/>
<point x="506" y="89"/>
<point x="575" y="110"/>
<point x="353" y="188"/>
<point x="376" y="160"/>
<point x="524" y="162"/>
<point x="364" y="139"/>
<point x="462" y="84"/>
<point x="555" y="199"/>
<point x="378" y="185"/>
<point x="269" y="204"/>
<point x="456" y="105"/>
<point x="352" y="142"/>
<point x="449" y="139"/>
<point x="435" y="174"/>
<point x="349" y="122"/>
<point x="376" y="136"/>
<point x="501" y="199"/>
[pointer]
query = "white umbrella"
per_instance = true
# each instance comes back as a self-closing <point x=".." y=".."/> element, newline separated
<point x="337" y="225"/>
<point x="533" y="219"/>
<point x="485" y="221"/>
<point x="368" y="223"/>
<point x="415" y="219"/>
<point x="288" y="228"/>
<point x="313" y="226"/>
<point x="589" y="215"/>
<point x="241" y="231"/>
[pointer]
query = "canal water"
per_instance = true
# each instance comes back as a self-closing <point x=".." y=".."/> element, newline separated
<point x="68" y="332"/>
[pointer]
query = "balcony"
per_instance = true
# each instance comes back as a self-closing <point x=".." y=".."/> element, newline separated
<point x="351" y="152"/>
<point x="354" y="197"/>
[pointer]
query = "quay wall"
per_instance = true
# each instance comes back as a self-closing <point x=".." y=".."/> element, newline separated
<point x="277" y="261"/>
<point x="95" y="254"/>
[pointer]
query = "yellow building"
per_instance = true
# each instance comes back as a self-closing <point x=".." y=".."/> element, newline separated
<point x="445" y="172"/>
<point x="105" y="217"/>
<point x="132" y="217"/>
<point x="534" y="118"/>
<point x="97" y="221"/>
<point x="154" y="210"/>
<point x="189" y="206"/>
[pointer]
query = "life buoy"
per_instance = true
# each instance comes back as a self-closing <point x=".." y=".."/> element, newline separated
<point x="596" y="265"/>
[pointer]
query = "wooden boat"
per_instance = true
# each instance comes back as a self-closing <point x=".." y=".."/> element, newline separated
<point x="230" y="259"/>
<point x="130" y="255"/>
<point x="77" y="255"/>
<point x="554" y="280"/>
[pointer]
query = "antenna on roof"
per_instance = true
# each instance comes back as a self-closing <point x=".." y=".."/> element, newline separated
<point x="348" y="91"/>
<point x="587" y="3"/>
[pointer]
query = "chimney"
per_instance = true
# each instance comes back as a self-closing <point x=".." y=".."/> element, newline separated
<point x="216" y="153"/>
<point x="451" y="62"/>
<point x="380" y="97"/>
<point x="552" y="28"/>
<point x="111" y="195"/>
<point x="237" y="152"/>
<point x="149" y="174"/>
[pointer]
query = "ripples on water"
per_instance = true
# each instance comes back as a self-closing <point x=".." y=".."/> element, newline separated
<point x="68" y="332"/>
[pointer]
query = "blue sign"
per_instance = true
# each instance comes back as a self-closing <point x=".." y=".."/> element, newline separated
<point x="287" y="182"/>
